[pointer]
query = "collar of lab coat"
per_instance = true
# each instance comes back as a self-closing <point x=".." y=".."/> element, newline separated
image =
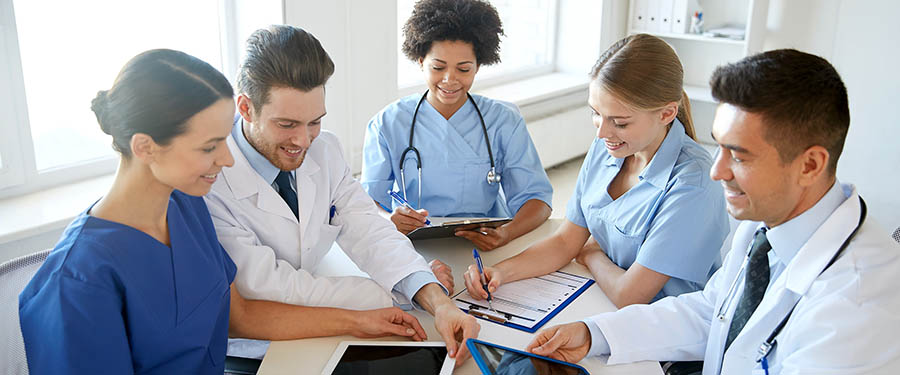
<point x="824" y="243"/>
<point x="788" y="238"/>
<point x="244" y="182"/>
<point x="794" y="282"/>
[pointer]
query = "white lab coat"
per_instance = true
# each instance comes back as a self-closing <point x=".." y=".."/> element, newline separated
<point x="276" y="257"/>
<point x="847" y="322"/>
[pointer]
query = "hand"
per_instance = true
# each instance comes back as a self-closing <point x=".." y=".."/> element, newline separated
<point x="473" y="281"/>
<point x="443" y="273"/>
<point x="486" y="238"/>
<point x="386" y="322"/>
<point x="567" y="342"/>
<point x="589" y="252"/>
<point x="407" y="220"/>
<point x="455" y="327"/>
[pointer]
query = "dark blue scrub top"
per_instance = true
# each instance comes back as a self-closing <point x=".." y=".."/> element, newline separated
<point x="110" y="299"/>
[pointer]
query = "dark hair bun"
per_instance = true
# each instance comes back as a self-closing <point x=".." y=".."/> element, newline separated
<point x="98" y="105"/>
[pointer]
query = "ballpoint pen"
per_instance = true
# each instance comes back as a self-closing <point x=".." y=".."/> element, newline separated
<point x="403" y="203"/>
<point x="483" y="280"/>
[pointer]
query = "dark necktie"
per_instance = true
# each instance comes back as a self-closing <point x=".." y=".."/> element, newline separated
<point x="283" y="181"/>
<point x="755" y="284"/>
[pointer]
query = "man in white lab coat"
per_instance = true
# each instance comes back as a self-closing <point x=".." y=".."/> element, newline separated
<point x="290" y="195"/>
<point x="780" y="127"/>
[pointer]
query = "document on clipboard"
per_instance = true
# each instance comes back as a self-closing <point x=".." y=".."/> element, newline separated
<point x="448" y="226"/>
<point x="527" y="304"/>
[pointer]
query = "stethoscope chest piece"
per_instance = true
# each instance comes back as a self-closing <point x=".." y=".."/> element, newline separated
<point x="493" y="177"/>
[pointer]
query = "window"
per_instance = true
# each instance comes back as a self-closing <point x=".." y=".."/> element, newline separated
<point x="527" y="48"/>
<point x="58" y="55"/>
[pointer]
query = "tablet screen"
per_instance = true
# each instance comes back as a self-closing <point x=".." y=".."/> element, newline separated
<point x="501" y="361"/>
<point x="377" y="360"/>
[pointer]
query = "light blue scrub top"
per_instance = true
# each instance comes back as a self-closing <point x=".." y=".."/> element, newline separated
<point x="110" y="299"/>
<point x="455" y="159"/>
<point x="673" y="221"/>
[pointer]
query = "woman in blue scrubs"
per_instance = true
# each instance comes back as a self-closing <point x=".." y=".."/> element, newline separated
<point x="139" y="283"/>
<point x="461" y="140"/>
<point x="643" y="193"/>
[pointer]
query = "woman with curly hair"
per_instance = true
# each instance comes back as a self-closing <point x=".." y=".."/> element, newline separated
<point x="463" y="148"/>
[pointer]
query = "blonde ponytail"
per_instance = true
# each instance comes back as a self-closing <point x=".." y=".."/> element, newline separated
<point x="684" y="115"/>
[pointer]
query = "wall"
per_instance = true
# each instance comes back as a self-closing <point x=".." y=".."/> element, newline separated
<point x="860" y="39"/>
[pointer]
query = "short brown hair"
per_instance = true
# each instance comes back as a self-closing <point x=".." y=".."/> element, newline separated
<point x="282" y="56"/>
<point x="800" y="96"/>
<point x="644" y="72"/>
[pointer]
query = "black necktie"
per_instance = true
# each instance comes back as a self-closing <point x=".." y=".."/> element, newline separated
<point x="755" y="283"/>
<point x="283" y="181"/>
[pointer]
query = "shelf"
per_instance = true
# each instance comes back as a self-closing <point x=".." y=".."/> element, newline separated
<point x="695" y="37"/>
<point x="698" y="93"/>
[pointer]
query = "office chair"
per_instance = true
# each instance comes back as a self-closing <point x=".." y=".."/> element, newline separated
<point x="14" y="275"/>
<point x="896" y="234"/>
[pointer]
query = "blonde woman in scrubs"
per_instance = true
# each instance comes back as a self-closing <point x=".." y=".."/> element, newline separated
<point x="643" y="193"/>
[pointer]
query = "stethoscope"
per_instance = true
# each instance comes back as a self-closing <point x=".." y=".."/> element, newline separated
<point x="492" y="176"/>
<point x="766" y="347"/>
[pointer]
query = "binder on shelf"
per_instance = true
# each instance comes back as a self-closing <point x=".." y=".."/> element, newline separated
<point x="665" y="16"/>
<point x="638" y="15"/>
<point x="653" y="24"/>
<point x="681" y="17"/>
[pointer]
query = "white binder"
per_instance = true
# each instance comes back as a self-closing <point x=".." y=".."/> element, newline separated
<point x="681" y="17"/>
<point x="653" y="23"/>
<point x="639" y="15"/>
<point x="665" y="16"/>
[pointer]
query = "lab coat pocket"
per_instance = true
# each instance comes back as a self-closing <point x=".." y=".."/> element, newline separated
<point x="478" y="196"/>
<point x="327" y="235"/>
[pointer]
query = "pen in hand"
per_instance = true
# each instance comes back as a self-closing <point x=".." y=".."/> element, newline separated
<point x="403" y="203"/>
<point x="484" y="283"/>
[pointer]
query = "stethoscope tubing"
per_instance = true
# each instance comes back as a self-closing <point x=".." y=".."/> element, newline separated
<point x="492" y="176"/>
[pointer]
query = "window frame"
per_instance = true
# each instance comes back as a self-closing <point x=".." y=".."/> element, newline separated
<point x="18" y="173"/>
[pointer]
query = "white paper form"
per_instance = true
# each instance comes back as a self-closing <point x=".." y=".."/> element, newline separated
<point x="528" y="302"/>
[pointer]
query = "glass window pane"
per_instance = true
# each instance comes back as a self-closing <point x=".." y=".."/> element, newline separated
<point x="76" y="48"/>
<point x="528" y="42"/>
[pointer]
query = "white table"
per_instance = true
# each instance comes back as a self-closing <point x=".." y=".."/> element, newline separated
<point x="308" y="356"/>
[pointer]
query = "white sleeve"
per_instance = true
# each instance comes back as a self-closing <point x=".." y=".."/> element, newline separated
<point x="261" y="275"/>
<point x="369" y="239"/>
<point x="671" y="329"/>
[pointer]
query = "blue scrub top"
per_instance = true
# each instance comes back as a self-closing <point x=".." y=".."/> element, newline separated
<point x="455" y="159"/>
<point x="110" y="299"/>
<point x="673" y="221"/>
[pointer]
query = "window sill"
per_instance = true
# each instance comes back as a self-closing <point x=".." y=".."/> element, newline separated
<point x="52" y="209"/>
<point x="540" y="96"/>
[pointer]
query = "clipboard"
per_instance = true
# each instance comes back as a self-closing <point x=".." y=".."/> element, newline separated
<point x="470" y="305"/>
<point x="451" y="225"/>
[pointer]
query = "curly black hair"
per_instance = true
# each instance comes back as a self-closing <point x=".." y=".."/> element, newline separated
<point x="471" y="21"/>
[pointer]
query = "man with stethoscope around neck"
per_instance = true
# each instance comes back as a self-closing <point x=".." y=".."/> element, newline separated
<point x="810" y="285"/>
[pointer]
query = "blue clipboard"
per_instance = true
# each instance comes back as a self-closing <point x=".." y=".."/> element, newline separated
<point x="546" y="318"/>
<point x="486" y="366"/>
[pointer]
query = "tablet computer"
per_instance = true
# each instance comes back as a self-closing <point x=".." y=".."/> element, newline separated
<point x="496" y="359"/>
<point x="447" y="227"/>
<point x="389" y="358"/>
